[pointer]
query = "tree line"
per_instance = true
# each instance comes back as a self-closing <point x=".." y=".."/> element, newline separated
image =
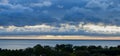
<point x="63" y="50"/>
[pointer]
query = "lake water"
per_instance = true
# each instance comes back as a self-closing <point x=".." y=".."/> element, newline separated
<point x="21" y="44"/>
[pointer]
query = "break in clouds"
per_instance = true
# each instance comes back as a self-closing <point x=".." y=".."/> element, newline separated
<point x="60" y="17"/>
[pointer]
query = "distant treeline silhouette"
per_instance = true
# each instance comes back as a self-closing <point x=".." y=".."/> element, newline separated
<point x="63" y="50"/>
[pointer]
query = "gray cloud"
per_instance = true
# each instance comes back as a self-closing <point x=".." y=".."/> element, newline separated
<point x="20" y="15"/>
<point x="30" y="12"/>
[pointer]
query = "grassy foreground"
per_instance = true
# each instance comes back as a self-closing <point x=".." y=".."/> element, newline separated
<point x="63" y="50"/>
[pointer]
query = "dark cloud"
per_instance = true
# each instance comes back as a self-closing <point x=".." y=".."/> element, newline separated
<point x="20" y="15"/>
<point x="78" y="15"/>
<point x="24" y="18"/>
<point x="33" y="12"/>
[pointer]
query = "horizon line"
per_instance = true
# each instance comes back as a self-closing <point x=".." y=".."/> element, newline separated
<point x="67" y="37"/>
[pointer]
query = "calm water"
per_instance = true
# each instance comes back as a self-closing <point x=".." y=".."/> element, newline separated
<point x="21" y="44"/>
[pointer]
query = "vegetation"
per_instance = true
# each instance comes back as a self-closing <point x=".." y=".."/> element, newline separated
<point x="63" y="50"/>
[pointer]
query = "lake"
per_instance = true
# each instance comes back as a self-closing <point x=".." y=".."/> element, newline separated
<point x="21" y="44"/>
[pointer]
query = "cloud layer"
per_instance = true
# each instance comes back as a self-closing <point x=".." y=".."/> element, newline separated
<point x="63" y="29"/>
<point x="25" y="16"/>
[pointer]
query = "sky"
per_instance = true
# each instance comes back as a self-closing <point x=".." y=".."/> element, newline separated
<point x="60" y="17"/>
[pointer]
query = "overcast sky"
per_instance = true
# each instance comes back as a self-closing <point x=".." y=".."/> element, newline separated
<point x="60" y="17"/>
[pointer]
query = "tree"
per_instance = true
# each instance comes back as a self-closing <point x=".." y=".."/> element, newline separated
<point x="38" y="50"/>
